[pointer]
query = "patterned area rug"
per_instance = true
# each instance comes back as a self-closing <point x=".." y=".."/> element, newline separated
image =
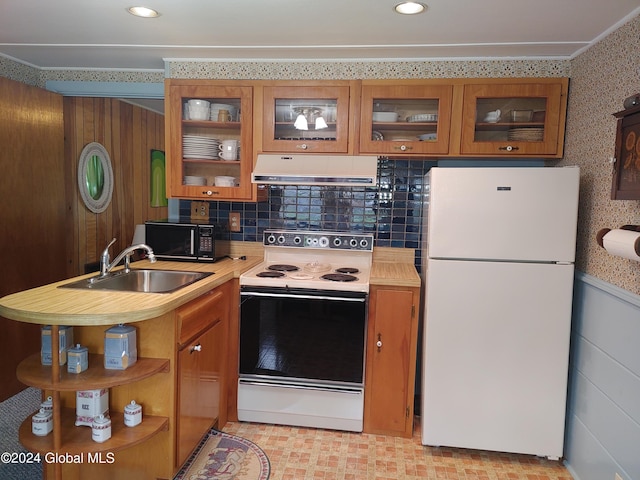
<point x="221" y="456"/>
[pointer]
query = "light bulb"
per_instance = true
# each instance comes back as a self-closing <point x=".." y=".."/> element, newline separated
<point x="301" y="123"/>
<point x="320" y="123"/>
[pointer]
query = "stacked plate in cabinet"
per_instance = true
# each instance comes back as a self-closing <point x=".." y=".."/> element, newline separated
<point x="526" y="134"/>
<point x="194" y="180"/>
<point x="196" y="146"/>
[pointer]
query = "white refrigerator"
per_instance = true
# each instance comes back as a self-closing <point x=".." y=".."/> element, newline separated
<point x="498" y="263"/>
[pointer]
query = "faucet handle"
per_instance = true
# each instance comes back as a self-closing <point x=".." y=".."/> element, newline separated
<point x="105" y="252"/>
<point x="104" y="258"/>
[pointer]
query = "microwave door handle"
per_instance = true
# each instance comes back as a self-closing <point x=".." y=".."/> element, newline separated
<point x="193" y="236"/>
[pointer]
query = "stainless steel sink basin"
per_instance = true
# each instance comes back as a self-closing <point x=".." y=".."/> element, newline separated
<point x="149" y="281"/>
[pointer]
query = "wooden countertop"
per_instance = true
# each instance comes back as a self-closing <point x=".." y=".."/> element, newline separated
<point x="394" y="274"/>
<point x="394" y="267"/>
<point x="50" y="305"/>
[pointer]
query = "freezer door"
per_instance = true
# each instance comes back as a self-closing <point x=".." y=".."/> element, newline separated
<point x="495" y="356"/>
<point x="503" y="213"/>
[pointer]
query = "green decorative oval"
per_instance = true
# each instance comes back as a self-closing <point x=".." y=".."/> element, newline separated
<point x="95" y="177"/>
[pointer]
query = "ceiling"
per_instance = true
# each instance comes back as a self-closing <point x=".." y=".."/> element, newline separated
<point x="87" y="34"/>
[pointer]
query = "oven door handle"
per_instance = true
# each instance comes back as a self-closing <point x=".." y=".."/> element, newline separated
<point x="300" y="296"/>
<point x="323" y="388"/>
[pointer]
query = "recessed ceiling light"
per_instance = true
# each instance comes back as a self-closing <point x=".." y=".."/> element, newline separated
<point x="143" y="12"/>
<point x="410" y="8"/>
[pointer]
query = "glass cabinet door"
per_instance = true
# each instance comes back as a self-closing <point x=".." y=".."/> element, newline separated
<point x="311" y="119"/>
<point x="515" y="119"/>
<point x="405" y="119"/>
<point x="210" y="142"/>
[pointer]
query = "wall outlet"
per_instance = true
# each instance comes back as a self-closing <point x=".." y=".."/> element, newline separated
<point x="234" y="221"/>
<point x="617" y="477"/>
<point x="199" y="210"/>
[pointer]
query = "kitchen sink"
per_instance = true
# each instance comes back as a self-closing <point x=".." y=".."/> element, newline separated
<point x="149" y="281"/>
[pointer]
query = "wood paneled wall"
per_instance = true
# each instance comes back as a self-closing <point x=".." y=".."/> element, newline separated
<point x="33" y="238"/>
<point x="47" y="232"/>
<point x="129" y="133"/>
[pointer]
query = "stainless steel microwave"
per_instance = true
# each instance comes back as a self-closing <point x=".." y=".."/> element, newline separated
<point x="187" y="241"/>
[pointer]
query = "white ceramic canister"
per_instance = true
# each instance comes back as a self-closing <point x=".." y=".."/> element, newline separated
<point x="42" y="423"/>
<point x="132" y="414"/>
<point x="47" y="405"/>
<point x="101" y="429"/>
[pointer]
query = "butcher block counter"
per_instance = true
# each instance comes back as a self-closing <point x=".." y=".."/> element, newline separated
<point x="394" y="267"/>
<point x="50" y="305"/>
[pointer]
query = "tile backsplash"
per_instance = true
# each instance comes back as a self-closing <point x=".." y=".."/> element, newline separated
<point x="392" y="210"/>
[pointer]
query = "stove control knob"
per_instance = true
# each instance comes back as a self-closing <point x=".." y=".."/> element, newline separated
<point x="353" y="242"/>
<point x="323" y="242"/>
<point x="297" y="240"/>
<point x="337" y="241"/>
<point x="271" y="239"/>
<point x="281" y="239"/>
<point x="364" y="243"/>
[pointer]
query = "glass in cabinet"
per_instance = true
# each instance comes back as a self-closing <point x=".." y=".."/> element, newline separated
<point x="313" y="119"/>
<point x="405" y="119"/>
<point x="210" y="154"/>
<point x="517" y="119"/>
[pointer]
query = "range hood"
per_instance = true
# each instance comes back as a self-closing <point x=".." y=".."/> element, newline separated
<point x="336" y="170"/>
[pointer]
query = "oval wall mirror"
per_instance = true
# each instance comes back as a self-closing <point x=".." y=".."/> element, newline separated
<point x="95" y="177"/>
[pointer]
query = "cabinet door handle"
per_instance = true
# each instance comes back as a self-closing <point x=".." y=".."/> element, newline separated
<point x="509" y="148"/>
<point x="404" y="148"/>
<point x="379" y="342"/>
<point x="195" y="348"/>
<point x="304" y="146"/>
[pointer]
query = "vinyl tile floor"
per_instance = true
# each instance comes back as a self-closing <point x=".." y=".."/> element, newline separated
<point x="297" y="453"/>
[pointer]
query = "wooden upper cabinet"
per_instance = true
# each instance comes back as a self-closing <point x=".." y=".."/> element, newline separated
<point x="514" y="118"/>
<point x="195" y="170"/>
<point x="410" y="119"/>
<point x="307" y="118"/>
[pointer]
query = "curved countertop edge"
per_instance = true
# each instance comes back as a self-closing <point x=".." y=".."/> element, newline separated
<point x="50" y="305"/>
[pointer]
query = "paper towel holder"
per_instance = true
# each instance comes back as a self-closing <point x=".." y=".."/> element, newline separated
<point x="602" y="232"/>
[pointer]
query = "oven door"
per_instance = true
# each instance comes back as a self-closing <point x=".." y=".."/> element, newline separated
<point x="302" y="354"/>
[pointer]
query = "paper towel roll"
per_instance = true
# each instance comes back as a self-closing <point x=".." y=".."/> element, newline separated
<point x="623" y="243"/>
<point x="139" y="234"/>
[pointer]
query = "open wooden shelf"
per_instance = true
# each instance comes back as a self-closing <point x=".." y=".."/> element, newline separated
<point x="76" y="440"/>
<point x="31" y="372"/>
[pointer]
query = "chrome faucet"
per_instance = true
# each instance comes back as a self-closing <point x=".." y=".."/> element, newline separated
<point x="106" y="267"/>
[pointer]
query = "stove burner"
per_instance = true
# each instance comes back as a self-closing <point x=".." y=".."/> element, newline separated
<point x="339" y="277"/>
<point x="270" y="274"/>
<point x="283" y="268"/>
<point x="347" y="270"/>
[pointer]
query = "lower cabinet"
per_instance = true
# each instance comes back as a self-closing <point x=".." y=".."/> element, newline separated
<point x="199" y="375"/>
<point x="201" y="393"/>
<point x="391" y="360"/>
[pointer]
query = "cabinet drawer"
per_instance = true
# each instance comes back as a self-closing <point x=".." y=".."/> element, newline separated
<point x="202" y="313"/>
